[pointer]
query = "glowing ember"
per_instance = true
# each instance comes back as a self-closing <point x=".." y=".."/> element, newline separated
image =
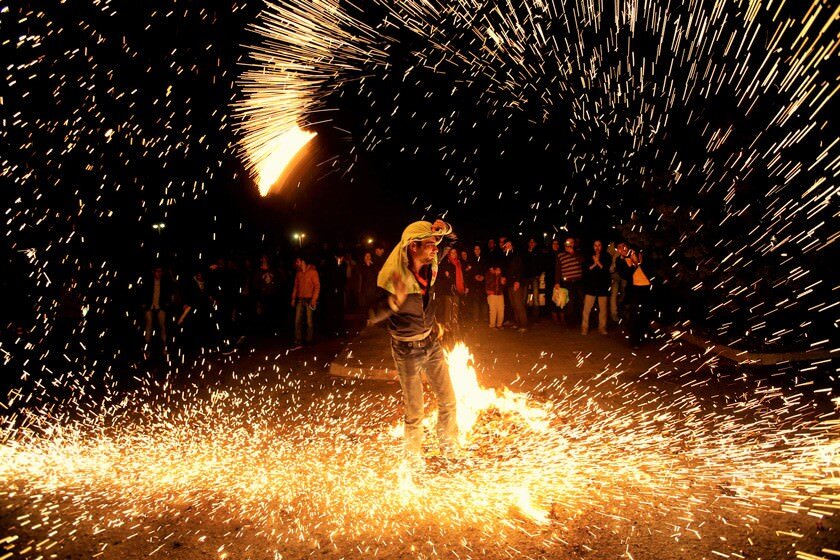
<point x="295" y="468"/>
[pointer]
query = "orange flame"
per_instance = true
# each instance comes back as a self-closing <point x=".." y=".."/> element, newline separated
<point x="473" y="399"/>
<point x="282" y="150"/>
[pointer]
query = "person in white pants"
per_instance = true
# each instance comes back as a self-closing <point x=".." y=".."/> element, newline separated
<point x="494" y="286"/>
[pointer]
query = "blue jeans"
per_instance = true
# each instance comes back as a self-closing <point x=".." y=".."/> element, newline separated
<point x="302" y="310"/>
<point x="410" y="361"/>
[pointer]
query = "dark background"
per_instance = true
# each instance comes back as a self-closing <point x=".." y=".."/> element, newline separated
<point x="116" y="117"/>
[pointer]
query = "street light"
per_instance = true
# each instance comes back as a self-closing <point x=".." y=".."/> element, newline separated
<point x="300" y="237"/>
<point x="370" y="240"/>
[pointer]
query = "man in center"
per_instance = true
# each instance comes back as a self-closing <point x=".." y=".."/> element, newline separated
<point x="407" y="302"/>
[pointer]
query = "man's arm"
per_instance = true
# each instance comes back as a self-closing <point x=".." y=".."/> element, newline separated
<point x="295" y="288"/>
<point x="317" y="288"/>
<point x="386" y="303"/>
<point x="382" y="307"/>
<point x="448" y="239"/>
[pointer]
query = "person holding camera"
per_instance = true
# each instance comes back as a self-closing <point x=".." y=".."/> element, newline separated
<point x="637" y="302"/>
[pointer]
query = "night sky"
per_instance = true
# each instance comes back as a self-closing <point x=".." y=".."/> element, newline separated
<point x="703" y="131"/>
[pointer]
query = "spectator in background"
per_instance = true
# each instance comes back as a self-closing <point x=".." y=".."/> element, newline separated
<point x="618" y="284"/>
<point x="366" y="273"/>
<point x="494" y="286"/>
<point x="265" y="295"/>
<point x="464" y="259"/>
<point x="474" y="270"/>
<point x="596" y="285"/>
<point x="305" y="299"/>
<point x="551" y="277"/>
<point x="246" y="297"/>
<point x="631" y="267"/>
<point x="195" y="315"/>
<point x="451" y="287"/>
<point x="532" y="270"/>
<point x="234" y="296"/>
<point x="568" y="274"/>
<point x="495" y="257"/>
<point x="351" y="293"/>
<point x="379" y="257"/>
<point x="334" y="284"/>
<point x="514" y="270"/>
<point x="157" y="296"/>
<point x="222" y="292"/>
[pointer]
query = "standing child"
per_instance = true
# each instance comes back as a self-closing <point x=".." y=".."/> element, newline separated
<point x="494" y="286"/>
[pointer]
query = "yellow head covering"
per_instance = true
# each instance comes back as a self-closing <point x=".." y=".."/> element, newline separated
<point x="397" y="261"/>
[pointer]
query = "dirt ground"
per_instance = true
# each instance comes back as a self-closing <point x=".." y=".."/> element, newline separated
<point x="666" y="453"/>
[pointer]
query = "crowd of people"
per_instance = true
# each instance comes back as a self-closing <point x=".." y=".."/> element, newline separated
<point x="504" y="285"/>
<point x="497" y="283"/>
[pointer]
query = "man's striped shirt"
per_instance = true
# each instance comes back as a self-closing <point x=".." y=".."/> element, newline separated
<point x="569" y="267"/>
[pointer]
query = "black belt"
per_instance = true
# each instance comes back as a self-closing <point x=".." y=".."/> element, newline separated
<point x="425" y="343"/>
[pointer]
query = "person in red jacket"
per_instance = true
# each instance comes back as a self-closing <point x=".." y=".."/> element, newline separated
<point x="305" y="299"/>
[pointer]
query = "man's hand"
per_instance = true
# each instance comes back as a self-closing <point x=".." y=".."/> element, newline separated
<point x="439" y="226"/>
<point x="184" y="310"/>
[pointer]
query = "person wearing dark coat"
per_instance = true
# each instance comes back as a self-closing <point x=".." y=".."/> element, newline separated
<point x="266" y="288"/>
<point x="532" y="271"/>
<point x="474" y="269"/>
<point x="633" y="268"/>
<point x="157" y="295"/>
<point x="195" y="318"/>
<point x="596" y="286"/>
<point x="366" y="273"/>
<point x="514" y="274"/>
<point x="550" y="277"/>
<point x="451" y="288"/>
<point x="333" y="273"/>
